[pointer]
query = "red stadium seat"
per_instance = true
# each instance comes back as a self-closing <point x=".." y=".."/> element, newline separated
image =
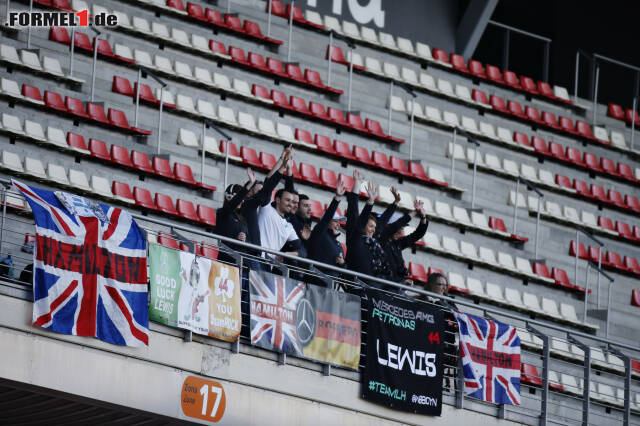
<point x="215" y="17"/>
<point x="76" y="141"/>
<point x="347" y="181"/>
<point x="477" y="69"/>
<point x="122" y="86"/>
<point x="99" y="149"/>
<point x="362" y="154"/>
<point x="615" y="260"/>
<point x="598" y="192"/>
<point x="249" y="156"/>
<point x="417" y="272"/>
<point x="276" y="67"/>
<point x="528" y="84"/>
<point x="545" y="89"/>
<point x="432" y="270"/>
<point x="141" y="161"/>
<point x="165" y="204"/>
<point x="253" y="28"/>
<point x="313" y="77"/>
<point x="234" y="23"/>
<point x="299" y="105"/>
<point x="628" y="116"/>
<point x="615" y="111"/>
<point x="550" y="120"/>
<point x="581" y="187"/>
<point x="59" y="35"/>
<point x="81" y="41"/>
<point x="631" y="202"/>
<point x="233" y="150"/>
<point x="355" y="121"/>
<point x="417" y="171"/>
<point x="237" y="54"/>
<point x="183" y="173"/>
<point x="297" y="13"/>
<point x="494" y="74"/>
<point x="380" y="160"/>
<point x="374" y="127"/>
<point x="267" y="161"/>
<point x="323" y="143"/>
<point x="120" y="155"/>
<point x="594" y="253"/>
<point x="636" y="232"/>
<point x="295" y="171"/>
<point x="316" y="209"/>
<point x="584" y="129"/>
<point x="277" y="8"/>
<point x="541" y="270"/>
<point x="76" y="107"/>
<point x="280" y="99"/>
<point x="532" y="114"/>
<point x="635" y="301"/>
<point x="516" y="109"/>
<point x="54" y="100"/>
<point x="318" y="110"/>
<point x="294" y="72"/>
<point x="118" y="119"/>
<point x="104" y="49"/>
<point x="530" y="375"/>
<point x="206" y="215"/>
<point x="440" y="55"/>
<point x="557" y="151"/>
<point x="540" y="145"/>
<point x="631" y="263"/>
<point x="561" y="278"/>
<point x="145" y="93"/>
<point x="567" y="125"/>
<point x="563" y="181"/>
<point x="309" y="174"/>
<point x="574" y="155"/>
<point x="343" y="150"/>
<point x="511" y="79"/>
<point x="257" y="61"/>
<point x="615" y="197"/>
<point x="162" y="167"/>
<point x="122" y="191"/>
<point x="176" y="4"/>
<point x="591" y="161"/>
<point x="498" y="104"/>
<point x="582" y="251"/>
<point x="31" y="92"/>
<point x="210" y="252"/>
<point x="521" y="139"/>
<point x="187" y="210"/>
<point x="328" y="178"/>
<point x="624" y="170"/>
<point x="479" y="96"/>
<point x="260" y="92"/>
<point x="458" y="63"/>
<point x="606" y="223"/>
<point x="195" y="11"/>
<point x="143" y="198"/>
<point x="624" y="230"/>
<point x="304" y="136"/>
<point x="497" y="224"/>
<point x="337" y="116"/>
<point x="608" y="166"/>
<point x="218" y="47"/>
<point x="168" y="240"/>
<point x="399" y="166"/>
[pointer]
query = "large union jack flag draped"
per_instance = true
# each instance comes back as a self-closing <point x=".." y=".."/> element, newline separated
<point x="90" y="268"/>
<point x="491" y="359"/>
<point x="274" y="300"/>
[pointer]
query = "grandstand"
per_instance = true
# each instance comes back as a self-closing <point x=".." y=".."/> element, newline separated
<point x="531" y="196"/>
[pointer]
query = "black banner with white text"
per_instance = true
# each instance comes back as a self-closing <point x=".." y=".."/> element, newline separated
<point x="404" y="363"/>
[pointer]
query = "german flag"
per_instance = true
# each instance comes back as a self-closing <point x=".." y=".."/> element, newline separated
<point x="336" y="338"/>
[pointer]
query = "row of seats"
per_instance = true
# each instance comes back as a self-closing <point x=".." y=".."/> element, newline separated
<point x="96" y="149"/>
<point x="77" y="181"/>
<point x="326" y="178"/>
<point x="617" y="112"/>
<point x="202" y="46"/>
<point x="93" y="113"/>
<point x="570" y="216"/>
<point x="424" y="54"/>
<point x="200" y="247"/>
<point x="278" y="9"/>
<point x="195" y="13"/>
<point x="486" y="131"/>
<point x="609" y="260"/>
<point x="546" y="179"/>
<point x="29" y="60"/>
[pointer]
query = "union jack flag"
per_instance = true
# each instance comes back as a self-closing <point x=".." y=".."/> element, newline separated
<point x="274" y="300"/>
<point x="491" y="359"/>
<point x="90" y="268"/>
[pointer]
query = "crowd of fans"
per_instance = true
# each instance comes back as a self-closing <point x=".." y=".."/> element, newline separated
<point x="374" y="242"/>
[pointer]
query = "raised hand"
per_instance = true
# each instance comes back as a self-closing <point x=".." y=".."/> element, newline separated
<point x="340" y="188"/>
<point x="372" y="192"/>
<point x="396" y="195"/>
<point x="252" y="176"/>
<point x="418" y="205"/>
<point x="242" y="236"/>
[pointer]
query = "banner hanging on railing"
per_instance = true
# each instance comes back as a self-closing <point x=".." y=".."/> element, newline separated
<point x="404" y="365"/>
<point x="304" y="320"/>
<point x="490" y="353"/>
<point x="194" y="293"/>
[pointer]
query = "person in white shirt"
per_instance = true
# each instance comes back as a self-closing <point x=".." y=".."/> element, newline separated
<point x="275" y="230"/>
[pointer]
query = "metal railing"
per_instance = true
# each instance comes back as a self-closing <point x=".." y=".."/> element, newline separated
<point x="539" y="401"/>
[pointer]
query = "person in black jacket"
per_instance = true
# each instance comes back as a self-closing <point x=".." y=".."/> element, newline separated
<point x="394" y="242"/>
<point x="322" y="244"/>
<point x="238" y="216"/>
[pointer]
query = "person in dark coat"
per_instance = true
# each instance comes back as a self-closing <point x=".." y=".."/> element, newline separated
<point x="394" y="242"/>
<point x="323" y="245"/>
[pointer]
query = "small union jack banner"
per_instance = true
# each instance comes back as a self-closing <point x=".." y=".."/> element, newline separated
<point x="90" y="268"/>
<point x="490" y="358"/>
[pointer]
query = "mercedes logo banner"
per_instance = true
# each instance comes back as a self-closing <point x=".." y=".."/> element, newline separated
<point x="304" y="320"/>
<point x="404" y="351"/>
<point x="194" y="293"/>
